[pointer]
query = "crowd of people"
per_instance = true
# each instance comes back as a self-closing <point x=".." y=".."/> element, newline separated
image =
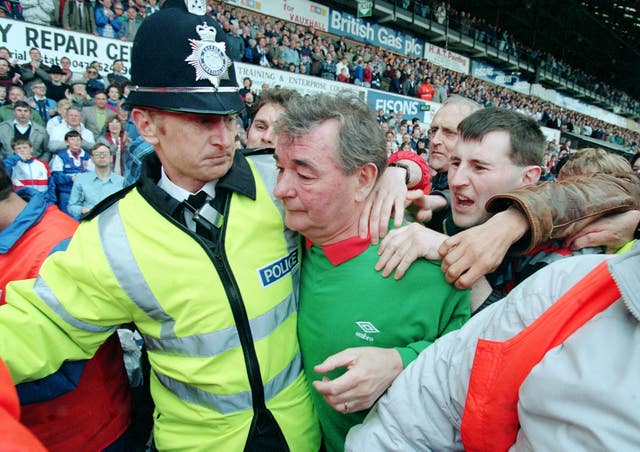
<point x="485" y="32"/>
<point x="260" y="40"/>
<point x="282" y="298"/>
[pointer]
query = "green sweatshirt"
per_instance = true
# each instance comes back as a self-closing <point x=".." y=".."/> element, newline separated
<point x="345" y="303"/>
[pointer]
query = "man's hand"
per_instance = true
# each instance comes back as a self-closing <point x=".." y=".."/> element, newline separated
<point x="426" y="204"/>
<point x="612" y="232"/>
<point x="371" y="372"/>
<point x="387" y="196"/>
<point x="471" y="254"/>
<point x="404" y="245"/>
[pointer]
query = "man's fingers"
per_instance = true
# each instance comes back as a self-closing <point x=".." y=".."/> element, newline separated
<point x="446" y="246"/>
<point x="398" y="215"/>
<point x="363" y="223"/>
<point x="337" y="387"/>
<point x="391" y="263"/>
<point x="340" y="359"/>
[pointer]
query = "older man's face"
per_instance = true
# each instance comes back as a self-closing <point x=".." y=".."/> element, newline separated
<point x="317" y="195"/>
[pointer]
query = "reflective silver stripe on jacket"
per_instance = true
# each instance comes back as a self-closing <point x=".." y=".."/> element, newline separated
<point x="217" y="342"/>
<point x="126" y="271"/>
<point x="44" y="292"/>
<point x="232" y="403"/>
<point x="266" y="167"/>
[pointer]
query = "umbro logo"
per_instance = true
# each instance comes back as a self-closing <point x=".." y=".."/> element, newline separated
<point x="366" y="327"/>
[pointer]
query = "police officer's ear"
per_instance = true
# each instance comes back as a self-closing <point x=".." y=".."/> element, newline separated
<point x="146" y="124"/>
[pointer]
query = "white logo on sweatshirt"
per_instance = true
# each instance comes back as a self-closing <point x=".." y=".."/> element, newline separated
<point x="366" y="327"/>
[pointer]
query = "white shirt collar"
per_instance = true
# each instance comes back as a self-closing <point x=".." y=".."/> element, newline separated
<point x="20" y="127"/>
<point x="179" y="193"/>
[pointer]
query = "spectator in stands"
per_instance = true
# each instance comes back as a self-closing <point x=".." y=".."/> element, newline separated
<point x="58" y="119"/>
<point x="94" y="81"/>
<point x="94" y="117"/>
<point x="56" y="88"/>
<point x="235" y="43"/>
<point x="328" y="68"/>
<point x="251" y="54"/>
<point x="67" y="164"/>
<point x="6" y="77"/>
<point x="3" y="95"/>
<point x="11" y="9"/>
<point x="22" y="127"/>
<point x="70" y="77"/>
<point x="114" y="98"/>
<point x="78" y="96"/>
<point x="262" y="50"/>
<point x="151" y="7"/>
<point x="358" y="72"/>
<point x="91" y="187"/>
<point x="249" y="110"/>
<point x="247" y="87"/>
<point x="342" y="76"/>
<point x="107" y="24"/>
<point x="73" y="122"/>
<point x="116" y="77"/>
<point x="27" y="171"/>
<point x="130" y="25"/>
<point x="117" y="139"/>
<point x="77" y="15"/>
<point x="45" y="106"/>
<point x="291" y="52"/>
<point x="33" y="70"/>
<point x="441" y="91"/>
<point x="409" y="86"/>
<point x="343" y="158"/>
<point x="395" y="86"/>
<point x="343" y="64"/>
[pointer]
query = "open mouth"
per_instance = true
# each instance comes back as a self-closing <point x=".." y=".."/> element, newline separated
<point x="462" y="202"/>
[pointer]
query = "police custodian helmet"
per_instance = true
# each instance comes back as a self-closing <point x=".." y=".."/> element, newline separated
<point x="179" y="63"/>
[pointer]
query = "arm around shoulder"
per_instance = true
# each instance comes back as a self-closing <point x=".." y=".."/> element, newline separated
<point x="558" y="210"/>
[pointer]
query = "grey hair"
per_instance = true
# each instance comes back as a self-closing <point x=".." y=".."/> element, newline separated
<point x="458" y="99"/>
<point x="360" y="138"/>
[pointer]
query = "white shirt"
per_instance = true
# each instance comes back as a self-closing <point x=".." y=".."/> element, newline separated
<point x="22" y="129"/>
<point x="180" y="194"/>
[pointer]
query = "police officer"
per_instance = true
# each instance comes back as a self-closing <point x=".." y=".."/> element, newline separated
<point x="196" y="254"/>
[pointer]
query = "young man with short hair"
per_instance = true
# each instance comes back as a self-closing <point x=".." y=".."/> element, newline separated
<point x="22" y="126"/>
<point x="91" y="187"/>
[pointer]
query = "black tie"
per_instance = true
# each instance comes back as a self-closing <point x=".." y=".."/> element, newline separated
<point x="43" y="110"/>
<point x="207" y="219"/>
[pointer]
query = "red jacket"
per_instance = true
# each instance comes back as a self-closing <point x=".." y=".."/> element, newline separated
<point x="98" y="410"/>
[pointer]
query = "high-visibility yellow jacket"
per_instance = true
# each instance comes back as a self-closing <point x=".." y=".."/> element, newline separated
<point x="219" y="322"/>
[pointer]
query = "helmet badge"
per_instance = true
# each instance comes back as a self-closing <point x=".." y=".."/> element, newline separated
<point x="197" y="7"/>
<point x="208" y="57"/>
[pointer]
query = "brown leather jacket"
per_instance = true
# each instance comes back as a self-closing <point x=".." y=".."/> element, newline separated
<point x="557" y="210"/>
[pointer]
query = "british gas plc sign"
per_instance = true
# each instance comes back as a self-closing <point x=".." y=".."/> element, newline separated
<point x="275" y="271"/>
<point x="343" y="24"/>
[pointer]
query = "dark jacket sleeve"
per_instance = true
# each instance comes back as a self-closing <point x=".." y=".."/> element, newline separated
<point x="557" y="210"/>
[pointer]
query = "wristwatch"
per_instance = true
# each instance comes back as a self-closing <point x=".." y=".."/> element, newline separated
<point x="407" y="177"/>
